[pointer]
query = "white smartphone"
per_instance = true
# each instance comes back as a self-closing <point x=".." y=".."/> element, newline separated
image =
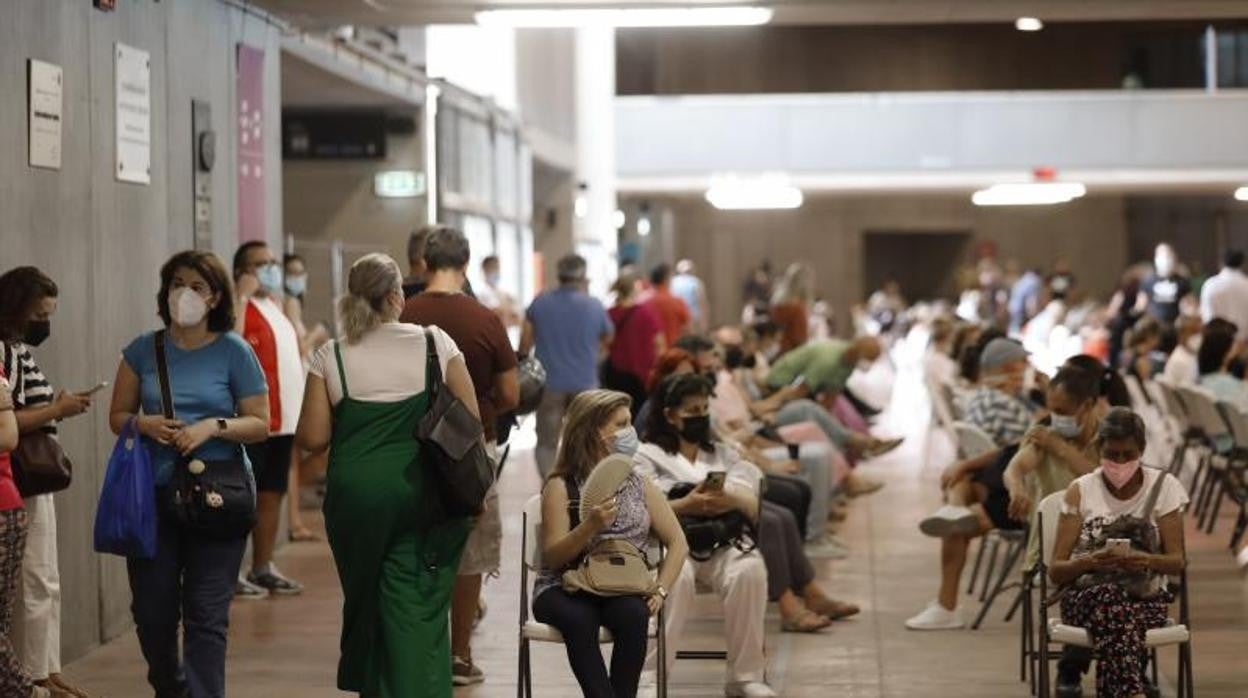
<point x="1119" y="546"/>
<point x="98" y="387"/>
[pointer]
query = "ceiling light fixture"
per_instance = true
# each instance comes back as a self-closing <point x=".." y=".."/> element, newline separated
<point x="1028" y="194"/>
<point x="769" y="191"/>
<point x="1028" y="24"/>
<point x="1241" y="194"/>
<point x="734" y="16"/>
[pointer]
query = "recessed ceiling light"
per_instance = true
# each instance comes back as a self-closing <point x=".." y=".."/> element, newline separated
<point x="1028" y="194"/>
<point x="734" y="16"/>
<point x="1028" y="24"/>
<point x="769" y="191"/>
<point x="1241" y="194"/>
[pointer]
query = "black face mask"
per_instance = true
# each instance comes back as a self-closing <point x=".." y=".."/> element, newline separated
<point x="696" y="429"/>
<point x="36" y="332"/>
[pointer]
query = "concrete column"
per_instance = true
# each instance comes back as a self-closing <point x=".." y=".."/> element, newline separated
<point x="594" y="231"/>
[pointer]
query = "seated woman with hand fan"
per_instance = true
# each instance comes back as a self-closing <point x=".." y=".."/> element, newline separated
<point x="593" y="497"/>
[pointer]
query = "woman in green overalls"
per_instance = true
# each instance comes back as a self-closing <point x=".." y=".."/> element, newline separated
<point x="396" y="558"/>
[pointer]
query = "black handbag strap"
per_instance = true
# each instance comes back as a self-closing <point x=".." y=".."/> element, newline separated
<point x="574" y="502"/>
<point x="433" y="367"/>
<point x="342" y="372"/>
<point x="162" y="370"/>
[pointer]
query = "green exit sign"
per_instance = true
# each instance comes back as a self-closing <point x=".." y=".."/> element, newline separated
<point x="399" y="184"/>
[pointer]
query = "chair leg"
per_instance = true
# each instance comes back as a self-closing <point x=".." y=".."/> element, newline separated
<point x="979" y="559"/>
<point x="1156" y="672"/>
<point x="1012" y="553"/>
<point x="1217" y="503"/>
<point x="523" y="669"/>
<point x="1241" y="523"/>
<point x="1189" y="681"/>
<point x="992" y="566"/>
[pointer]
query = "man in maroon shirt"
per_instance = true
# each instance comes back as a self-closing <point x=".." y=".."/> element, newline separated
<point x="492" y="364"/>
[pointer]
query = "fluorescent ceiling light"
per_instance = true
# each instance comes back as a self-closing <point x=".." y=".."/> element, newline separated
<point x="1028" y="24"/>
<point x="1028" y="194"/>
<point x="734" y="16"/>
<point x="1241" y="194"/>
<point x="769" y="191"/>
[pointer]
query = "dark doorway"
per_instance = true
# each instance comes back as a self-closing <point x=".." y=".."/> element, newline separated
<point x="924" y="264"/>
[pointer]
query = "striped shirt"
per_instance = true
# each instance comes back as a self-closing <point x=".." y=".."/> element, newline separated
<point x="1006" y="419"/>
<point x="30" y="387"/>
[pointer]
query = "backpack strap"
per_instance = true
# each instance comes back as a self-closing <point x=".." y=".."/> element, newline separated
<point x="433" y="367"/>
<point x="162" y="371"/>
<point x="342" y="372"/>
<point x="1150" y="504"/>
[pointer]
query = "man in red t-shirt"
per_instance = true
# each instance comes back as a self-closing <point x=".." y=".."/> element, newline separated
<point x="671" y="310"/>
<point x="479" y="334"/>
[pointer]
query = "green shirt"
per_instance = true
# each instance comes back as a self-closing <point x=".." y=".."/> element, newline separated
<point x="1052" y="474"/>
<point x="818" y="364"/>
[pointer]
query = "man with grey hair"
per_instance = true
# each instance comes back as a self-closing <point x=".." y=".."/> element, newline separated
<point x="491" y="361"/>
<point x="570" y="331"/>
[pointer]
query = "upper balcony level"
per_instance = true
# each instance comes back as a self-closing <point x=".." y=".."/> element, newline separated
<point x="1111" y="138"/>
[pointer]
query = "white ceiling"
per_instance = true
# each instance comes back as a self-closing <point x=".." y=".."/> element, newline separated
<point x="328" y="13"/>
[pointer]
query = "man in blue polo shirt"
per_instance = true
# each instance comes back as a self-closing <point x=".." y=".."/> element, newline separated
<point x="570" y="330"/>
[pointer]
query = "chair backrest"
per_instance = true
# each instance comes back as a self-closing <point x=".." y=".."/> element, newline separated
<point x="1135" y="391"/>
<point x="1237" y="421"/>
<point x="972" y="441"/>
<point x="1050" y="511"/>
<point x="1174" y="405"/>
<point x="533" y="532"/>
<point x="942" y="404"/>
<point x="1203" y="410"/>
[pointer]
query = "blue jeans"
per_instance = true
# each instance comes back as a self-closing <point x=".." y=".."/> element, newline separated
<point x="803" y="410"/>
<point x="191" y="579"/>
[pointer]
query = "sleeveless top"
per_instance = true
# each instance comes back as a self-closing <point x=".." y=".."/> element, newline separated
<point x="632" y="524"/>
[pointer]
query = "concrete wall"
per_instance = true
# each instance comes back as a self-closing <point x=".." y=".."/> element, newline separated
<point x="827" y="232"/>
<point x="103" y="241"/>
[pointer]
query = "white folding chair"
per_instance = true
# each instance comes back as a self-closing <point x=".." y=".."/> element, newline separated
<point x="973" y="441"/>
<point x="1052" y="630"/>
<point x="533" y="631"/>
<point x="1233" y="482"/>
<point x="1202" y="409"/>
<point x="1189" y="434"/>
<point x="1160" y="436"/>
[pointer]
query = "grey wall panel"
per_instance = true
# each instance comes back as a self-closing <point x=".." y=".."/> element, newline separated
<point x="102" y="240"/>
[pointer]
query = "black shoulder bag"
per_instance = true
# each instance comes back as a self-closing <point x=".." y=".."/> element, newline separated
<point x="216" y="499"/>
<point x="451" y="447"/>
<point x="707" y="534"/>
<point x="40" y="465"/>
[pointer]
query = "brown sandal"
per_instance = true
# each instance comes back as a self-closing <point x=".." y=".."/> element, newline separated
<point x="836" y="610"/>
<point x="805" y="622"/>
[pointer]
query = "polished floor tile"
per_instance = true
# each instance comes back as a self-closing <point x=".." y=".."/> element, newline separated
<point x="287" y="648"/>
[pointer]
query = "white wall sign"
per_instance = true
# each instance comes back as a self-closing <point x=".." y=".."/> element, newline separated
<point x="399" y="184"/>
<point x="134" y="115"/>
<point x="44" y="103"/>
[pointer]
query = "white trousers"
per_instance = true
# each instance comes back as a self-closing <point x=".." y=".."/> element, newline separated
<point x="740" y="580"/>
<point x="39" y="613"/>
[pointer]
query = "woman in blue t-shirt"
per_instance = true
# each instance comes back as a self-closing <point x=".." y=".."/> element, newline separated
<point x="220" y="400"/>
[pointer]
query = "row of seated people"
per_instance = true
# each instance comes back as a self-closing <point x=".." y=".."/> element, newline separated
<point x="1081" y="439"/>
<point x="716" y="436"/>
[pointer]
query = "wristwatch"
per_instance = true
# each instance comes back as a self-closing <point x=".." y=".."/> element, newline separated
<point x="661" y="591"/>
<point x="222" y="425"/>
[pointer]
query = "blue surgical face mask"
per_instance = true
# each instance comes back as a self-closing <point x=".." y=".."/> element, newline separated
<point x="1066" y="427"/>
<point x="296" y="284"/>
<point x="626" y="441"/>
<point x="270" y="277"/>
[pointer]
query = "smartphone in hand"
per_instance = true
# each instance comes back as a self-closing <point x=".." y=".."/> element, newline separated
<point x="1118" y="546"/>
<point x="714" y="481"/>
<point x="97" y="388"/>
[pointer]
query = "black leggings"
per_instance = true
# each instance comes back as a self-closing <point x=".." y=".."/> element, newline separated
<point x="792" y="493"/>
<point x="577" y="617"/>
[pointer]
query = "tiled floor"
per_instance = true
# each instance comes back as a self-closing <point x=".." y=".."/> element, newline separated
<point x="287" y="647"/>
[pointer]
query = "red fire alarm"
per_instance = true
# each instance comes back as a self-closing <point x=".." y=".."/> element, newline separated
<point x="1044" y="174"/>
<point x="106" y="5"/>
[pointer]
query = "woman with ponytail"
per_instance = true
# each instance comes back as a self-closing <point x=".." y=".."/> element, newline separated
<point x="397" y="561"/>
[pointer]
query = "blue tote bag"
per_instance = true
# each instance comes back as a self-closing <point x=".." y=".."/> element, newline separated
<point x="125" y="521"/>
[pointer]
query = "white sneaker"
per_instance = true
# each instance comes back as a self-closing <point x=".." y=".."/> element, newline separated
<point x="936" y="617"/>
<point x="1242" y="558"/>
<point x="749" y="689"/>
<point x="824" y="547"/>
<point x="950" y="520"/>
